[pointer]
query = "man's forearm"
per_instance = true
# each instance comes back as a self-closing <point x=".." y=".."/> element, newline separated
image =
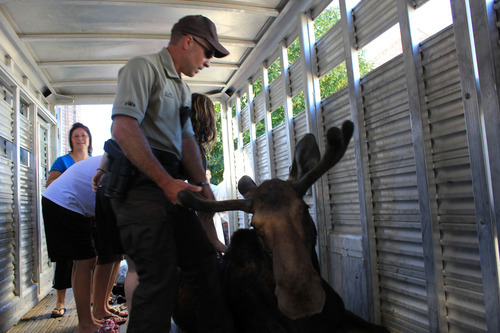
<point x="135" y="146"/>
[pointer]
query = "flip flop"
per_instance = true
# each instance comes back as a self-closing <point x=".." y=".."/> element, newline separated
<point x="56" y="313"/>
<point x="118" y="312"/>
<point x="117" y="320"/>
<point x="108" y="326"/>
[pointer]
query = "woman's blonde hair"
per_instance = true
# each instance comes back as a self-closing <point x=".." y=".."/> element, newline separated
<point x="203" y="120"/>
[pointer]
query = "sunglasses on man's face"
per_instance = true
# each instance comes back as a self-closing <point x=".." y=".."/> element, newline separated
<point x="208" y="53"/>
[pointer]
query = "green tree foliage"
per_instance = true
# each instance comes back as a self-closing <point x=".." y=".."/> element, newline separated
<point x="329" y="84"/>
<point x="325" y="21"/>
<point x="274" y="70"/>
<point x="293" y="52"/>
<point x="278" y="116"/>
<point x="257" y="87"/>
<point x="298" y="103"/>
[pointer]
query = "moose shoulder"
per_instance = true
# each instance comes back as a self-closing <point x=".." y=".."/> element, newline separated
<point x="270" y="273"/>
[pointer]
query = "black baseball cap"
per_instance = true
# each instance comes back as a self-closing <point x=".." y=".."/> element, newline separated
<point x="203" y="27"/>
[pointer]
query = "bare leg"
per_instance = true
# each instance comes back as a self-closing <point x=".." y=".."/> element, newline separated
<point x="112" y="280"/>
<point x="61" y="298"/>
<point x="81" y="281"/>
<point x="100" y="283"/>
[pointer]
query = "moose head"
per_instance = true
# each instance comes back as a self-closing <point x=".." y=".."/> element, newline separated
<point x="281" y="218"/>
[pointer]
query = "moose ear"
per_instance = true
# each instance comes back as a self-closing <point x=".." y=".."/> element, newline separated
<point x="307" y="156"/>
<point x="245" y="185"/>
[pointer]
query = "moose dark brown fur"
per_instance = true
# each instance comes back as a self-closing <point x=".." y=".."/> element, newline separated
<point x="270" y="273"/>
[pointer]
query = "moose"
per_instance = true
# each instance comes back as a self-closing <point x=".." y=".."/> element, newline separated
<point x="270" y="273"/>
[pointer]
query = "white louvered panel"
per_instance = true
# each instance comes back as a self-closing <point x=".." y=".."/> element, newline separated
<point x="373" y="18"/>
<point x="342" y="179"/>
<point x="336" y="109"/>
<point x="455" y="201"/>
<point x="6" y="120"/>
<point x="245" y="119"/>
<point x="43" y="154"/>
<point x="238" y="164"/>
<point x="344" y="221"/>
<point x="242" y="162"/>
<point x="383" y="91"/>
<point x="281" y="152"/>
<point x="26" y="133"/>
<point x="234" y="128"/>
<point x="299" y="127"/>
<point x="240" y="171"/>
<point x="262" y="173"/>
<point x="297" y="77"/>
<point x="241" y="217"/>
<point x="247" y="170"/>
<point x="247" y="160"/>
<point x="277" y="93"/>
<point x="403" y="296"/>
<point x="6" y="232"/>
<point x="27" y="226"/>
<point x="258" y="105"/>
<point x="330" y="50"/>
<point x="43" y="146"/>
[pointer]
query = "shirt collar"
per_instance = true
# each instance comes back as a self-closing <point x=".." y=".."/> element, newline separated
<point x="168" y="64"/>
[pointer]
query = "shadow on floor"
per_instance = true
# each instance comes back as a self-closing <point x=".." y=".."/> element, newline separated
<point x="38" y="319"/>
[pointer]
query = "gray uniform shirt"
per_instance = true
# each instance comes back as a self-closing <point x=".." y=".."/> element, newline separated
<point x="151" y="91"/>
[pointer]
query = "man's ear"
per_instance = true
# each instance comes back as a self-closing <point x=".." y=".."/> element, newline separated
<point x="186" y="42"/>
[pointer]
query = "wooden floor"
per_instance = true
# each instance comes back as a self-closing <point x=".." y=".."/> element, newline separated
<point x="38" y="319"/>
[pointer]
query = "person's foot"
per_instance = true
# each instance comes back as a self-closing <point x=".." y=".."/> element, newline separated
<point x="103" y="326"/>
<point x="58" y="312"/>
<point x="94" y="327"/>
<point x="118" y="312"/>
<point x="109" y="316"/>
<point x="116" y="319"/>
<point x="108" y="326"/>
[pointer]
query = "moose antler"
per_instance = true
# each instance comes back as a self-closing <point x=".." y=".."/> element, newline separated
<point x="306" y="157"/>
<point x="246" y="185"/>
<point x="198" y="202"/>
<point x="337" y="142"/>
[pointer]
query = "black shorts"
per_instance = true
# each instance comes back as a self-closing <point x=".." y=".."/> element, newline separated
<point x="62" y="275"/>
<point x="69" y="234"/>
<point x="106" y="259"/>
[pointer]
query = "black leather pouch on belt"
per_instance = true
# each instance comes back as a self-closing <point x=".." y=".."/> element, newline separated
<point x="120" y="171"/>
<point x="169" y="161"/>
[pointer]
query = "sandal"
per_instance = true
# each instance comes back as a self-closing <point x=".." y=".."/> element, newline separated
<point x="118" y="312"/>
<point x="108" y="326"/>
<point x="117" y="320"/>
<point x="56" y="313"/>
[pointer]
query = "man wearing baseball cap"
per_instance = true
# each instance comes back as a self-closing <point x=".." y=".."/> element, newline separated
<point x="157" y="234"/>
<point x="200" y="26"/>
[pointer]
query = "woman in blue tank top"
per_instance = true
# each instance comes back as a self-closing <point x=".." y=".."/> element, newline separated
<point x="80" y="142"/>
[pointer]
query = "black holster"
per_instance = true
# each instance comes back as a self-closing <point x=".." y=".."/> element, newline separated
<point x="120" y="171"/>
